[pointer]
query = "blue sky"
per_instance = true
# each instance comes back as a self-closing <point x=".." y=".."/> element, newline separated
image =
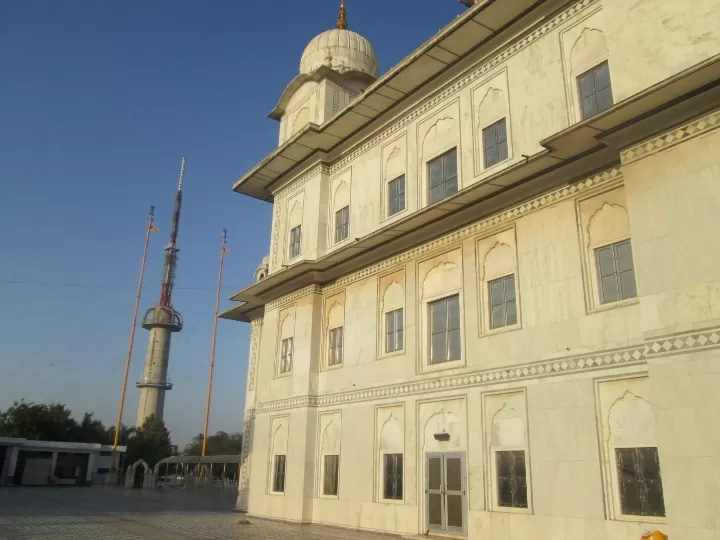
<point x="98" y="103"/>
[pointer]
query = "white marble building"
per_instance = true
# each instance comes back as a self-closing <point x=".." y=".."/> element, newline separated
<point x="491" y="306"/>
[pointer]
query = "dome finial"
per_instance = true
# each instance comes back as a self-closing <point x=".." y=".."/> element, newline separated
<point x="342" y="17"/>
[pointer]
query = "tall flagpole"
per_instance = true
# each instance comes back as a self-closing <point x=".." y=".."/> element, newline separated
<point x="223" y="251"/>
<point x="118" y="424"/>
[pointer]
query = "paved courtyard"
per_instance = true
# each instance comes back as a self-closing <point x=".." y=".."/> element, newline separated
<point x="101" y="513"/>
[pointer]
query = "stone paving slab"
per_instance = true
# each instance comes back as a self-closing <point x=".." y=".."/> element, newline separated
<point x="108" y="513"/>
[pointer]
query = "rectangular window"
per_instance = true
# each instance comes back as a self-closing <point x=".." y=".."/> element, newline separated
<point x="638" y="471"/>
<point x="442" y="173"/>
<point x="286" y="355"/>
<point x="595" y="90"/>
<point x="393" y="473"/>
<point x="295" y="239"/>
<point x="511" y="479"/>
<point x="342" y="224"/>
<point x="279" y="476"/>
<point x="336" y="346"/>
<point x="394" y="331"/>
<point x="396" y="195"/>
<point x="445" y="330"/>
<point x="616" y="276"/>
<point x="495" y="147"/>
<point x="503" y="308"/>
<point x="330" y="482"/>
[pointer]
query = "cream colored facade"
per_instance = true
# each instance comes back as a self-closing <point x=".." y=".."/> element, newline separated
<point x="577" y="379"/>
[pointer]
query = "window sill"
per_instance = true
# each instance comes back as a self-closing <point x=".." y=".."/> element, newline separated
<point x="640" y="519"/>
<point x="394" y="216"/>
<point x="334" y="366"/>
<point x="502" y="329"/>
<point x="391" y="354"/>
<point x="500" y="164"/>
<point x="599" y="308"/>
<point x="392" y="501"/>
<point x="283" y="375"/>
<point x="329" y="497"/>
<point x="276" y="493"/>
<point x="442" y="366"/>
<point x="511" y="510"/>
<point x="294" y="260"/>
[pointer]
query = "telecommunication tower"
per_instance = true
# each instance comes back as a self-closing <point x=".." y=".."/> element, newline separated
<point x="162" y="320"/>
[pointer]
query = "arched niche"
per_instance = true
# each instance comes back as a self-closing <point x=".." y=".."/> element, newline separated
<point x="444" y="422"/>
<point x="287" y="328"/>
<point x="336" y="316"/>
<point x="499" y="261"/>
<point x="442" y="278"/>
<point x="280" y="440"/>
<point x="589" y="50"/>
<point x="391" y="437"/>
<point x="609" y="224"/>
<point x="341" y="197"/>
<point x="441" y="136"/>
<point x="395" y="164"/>
<point x="393" y="297"/>
<point x="296" y="215"/>
<point x="631" y="422"/>
<point x="492" y="108"/>
<point x="508" y="427"/>
<point x="331" y="439"/>
<point x="301" y="119"/>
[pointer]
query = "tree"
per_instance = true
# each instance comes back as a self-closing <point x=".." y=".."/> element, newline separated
<point x="221" y="443"/>
<point x="91" y="431"/>
<point x="39" y="422"/>
<point x="151" y="442"/>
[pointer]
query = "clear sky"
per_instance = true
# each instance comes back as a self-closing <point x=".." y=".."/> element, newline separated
<point x="98" y="103"/>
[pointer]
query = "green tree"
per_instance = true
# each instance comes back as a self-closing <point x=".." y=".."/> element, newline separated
<point x="91" y="430"/>
<point x="39" y="422"/>
<point x="150" y="442"/>
<point x="221" y="443"/>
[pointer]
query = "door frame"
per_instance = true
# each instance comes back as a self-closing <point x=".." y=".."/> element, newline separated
<point x="445" y="529"/>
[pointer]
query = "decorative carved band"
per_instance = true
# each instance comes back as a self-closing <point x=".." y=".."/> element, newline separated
<point x="626" y="356"/>
<point x="669" y="139"/>
<point x="255" y="330"/>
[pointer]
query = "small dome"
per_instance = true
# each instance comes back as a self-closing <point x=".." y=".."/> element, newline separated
<point x="341" y="50"/>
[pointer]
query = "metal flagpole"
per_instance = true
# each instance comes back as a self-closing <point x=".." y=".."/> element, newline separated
<point x="223" y="251"/>
<point x="118" y="425"/>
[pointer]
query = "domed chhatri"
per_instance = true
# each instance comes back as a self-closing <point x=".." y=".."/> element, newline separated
<point x="340" y="49"/>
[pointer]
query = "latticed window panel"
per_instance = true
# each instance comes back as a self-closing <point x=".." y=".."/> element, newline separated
<point x="445" y="330"/>
<point x="616" y="275"/>
<point x="495" y="147"/>
<point x="286" y="355"/>
<point x="342" y="224"/>
<point x="511" y="479"/>
<point x="393" y="476"/>
<point x="595" y="90"/>
<point x="330" y="480"/>
<point x="295" y="241"/>
<point x="442" y="174"/>
<point x="279" y="474"/>
<point x="396" y="195"/>
<point x="639" y="481"/>
<point x="394" y="337"/>
<point x="503" y="305"/>
<point x="335" y="353"/>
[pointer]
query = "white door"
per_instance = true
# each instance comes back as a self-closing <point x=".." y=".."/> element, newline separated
<point x="445" y="493"/>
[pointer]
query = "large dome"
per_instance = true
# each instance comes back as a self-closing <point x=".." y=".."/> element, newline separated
<point x="341" y="50"/>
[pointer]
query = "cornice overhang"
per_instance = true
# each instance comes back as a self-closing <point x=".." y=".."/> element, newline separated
<point x="479" y="25"/>
<point x="568" y="155"/>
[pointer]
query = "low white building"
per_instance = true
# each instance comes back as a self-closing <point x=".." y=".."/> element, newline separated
<point x="25" y="462"/>
<point x="491" y="304"/>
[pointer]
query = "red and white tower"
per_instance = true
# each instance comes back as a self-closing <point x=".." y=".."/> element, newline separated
<point x="162" y="320"/>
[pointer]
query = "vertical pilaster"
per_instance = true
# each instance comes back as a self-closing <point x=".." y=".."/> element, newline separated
<point x="249" y="418"/>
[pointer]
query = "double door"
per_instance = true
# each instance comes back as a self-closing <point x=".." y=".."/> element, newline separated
<point x="445" y="493"/>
